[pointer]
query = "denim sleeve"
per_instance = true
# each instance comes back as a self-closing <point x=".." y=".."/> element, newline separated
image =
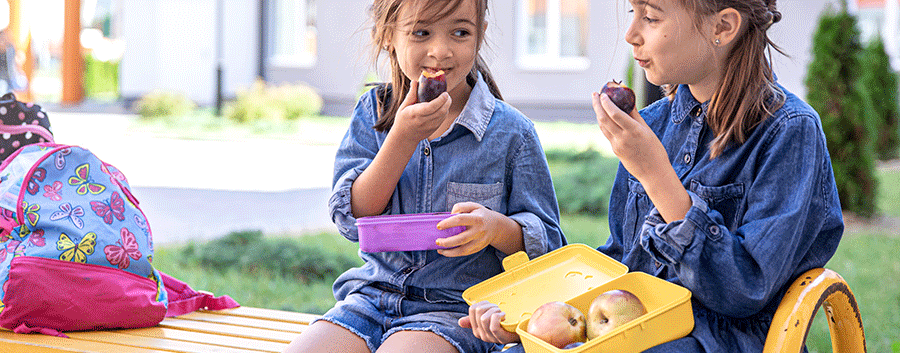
<point x="355" y="153"/>
<point x="737" y="272"/>
<point x="532" y="200"/>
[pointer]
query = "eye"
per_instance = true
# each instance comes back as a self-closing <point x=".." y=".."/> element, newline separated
<point x="650" y="20"/>
<point x="419" y="33"/>
<point x="462" y="33"/>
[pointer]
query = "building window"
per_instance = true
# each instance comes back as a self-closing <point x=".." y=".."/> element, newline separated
<point x="294" y="32"/>
<point x="553" y="35"/>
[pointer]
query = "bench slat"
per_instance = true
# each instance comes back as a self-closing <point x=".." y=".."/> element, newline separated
<point x="207" y="338"/>
<point x="157" y="343"/>
<point x="244" y="321"/>
<point x="228" y="330"/>
<point x="36" y="343"/>
<point x="242" y="329"/>
<point x="267" y="314"/>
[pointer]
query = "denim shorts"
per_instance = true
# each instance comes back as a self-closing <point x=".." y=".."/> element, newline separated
<point x="377" y="311"/>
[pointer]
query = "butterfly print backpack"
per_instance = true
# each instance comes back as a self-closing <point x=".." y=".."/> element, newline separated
<point x="76" y="251"/>
<point x="22" y="124"/>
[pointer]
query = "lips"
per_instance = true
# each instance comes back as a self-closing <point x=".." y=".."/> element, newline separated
<point x="642" y="63"/>
<point x="433" y="70"/>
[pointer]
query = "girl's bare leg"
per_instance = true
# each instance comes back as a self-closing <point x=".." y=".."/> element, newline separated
<point x="326" y="337"/>
<point x="416" y="342"/>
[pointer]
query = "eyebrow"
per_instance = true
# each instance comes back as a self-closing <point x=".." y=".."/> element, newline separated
<point x="422" y="22"/>
<point x="647" y="3"/>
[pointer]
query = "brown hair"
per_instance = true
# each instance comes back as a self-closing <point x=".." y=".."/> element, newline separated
<point x="385" y="15"/>
<point x="747" y="94"/>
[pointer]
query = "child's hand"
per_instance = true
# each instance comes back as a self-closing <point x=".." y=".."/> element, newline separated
<point x="483" y="227"/>
<point x="631" y="139"/>
<point x="484" y="320"/>
<point x="416" y="121"/>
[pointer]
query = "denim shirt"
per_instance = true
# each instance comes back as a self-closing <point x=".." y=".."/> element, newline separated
<point x="490" y="155"/>
<point x="763" y="212"/>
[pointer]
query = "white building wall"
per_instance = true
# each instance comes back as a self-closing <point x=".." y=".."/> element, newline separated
<point x="170" y="44"/>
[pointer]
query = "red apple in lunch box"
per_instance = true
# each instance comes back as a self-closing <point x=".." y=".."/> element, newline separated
<point x="431" y="85"/>
<point x="557" y="323"/>
<point x="620" y="94"/>
<point x="612" y="309"/>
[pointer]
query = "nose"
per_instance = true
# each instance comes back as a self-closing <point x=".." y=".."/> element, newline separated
<point x="439" y="48"/>
<point x="632" y="35"/>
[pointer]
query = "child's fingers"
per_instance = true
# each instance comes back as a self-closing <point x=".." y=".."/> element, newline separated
<point x="458" y="245"/>
<point x="500" y="334"/>
<point x="411" y="97"/>
<point x="440" y="106"/>
<point x="623" y="121"/>
<point x="603" y="118"/>
<point x="464" y="322"/>
<point x="465" y="207"/>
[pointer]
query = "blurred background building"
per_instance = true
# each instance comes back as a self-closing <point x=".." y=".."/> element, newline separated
<point x="547" y="55"/>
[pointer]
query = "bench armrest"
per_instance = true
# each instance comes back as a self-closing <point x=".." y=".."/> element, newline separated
<point x="816" y="288"/>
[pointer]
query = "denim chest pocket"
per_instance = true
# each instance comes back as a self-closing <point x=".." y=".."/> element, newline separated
<point x="488" y="195"/>
<point x="726" y="199"/>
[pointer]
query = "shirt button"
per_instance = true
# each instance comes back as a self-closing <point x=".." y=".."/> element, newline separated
<point x="697" y="110"/>
<point x="687" y="158"/>
<point x="658" y="264"/>
<point x="427" y="151"/>
<point x="714" y="230"/>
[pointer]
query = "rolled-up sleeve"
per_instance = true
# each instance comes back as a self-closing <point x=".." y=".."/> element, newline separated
<point x="737" y="272"/>
<point x="356" y="151"/>
<point x="532" y="200"/>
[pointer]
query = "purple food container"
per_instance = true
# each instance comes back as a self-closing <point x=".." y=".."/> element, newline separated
<point x="403" y="232"/>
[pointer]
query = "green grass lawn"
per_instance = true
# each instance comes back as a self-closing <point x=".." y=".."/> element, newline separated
<point x="866" y="258"/>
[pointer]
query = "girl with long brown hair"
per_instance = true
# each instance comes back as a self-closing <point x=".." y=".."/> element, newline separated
<point x="466" y="152"/>
<point x="725" y="186"/>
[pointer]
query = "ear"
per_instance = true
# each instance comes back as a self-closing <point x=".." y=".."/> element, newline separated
<point x="729" y="25"/>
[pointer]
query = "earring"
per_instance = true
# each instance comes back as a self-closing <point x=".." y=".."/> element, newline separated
<point x="718" y="41"/>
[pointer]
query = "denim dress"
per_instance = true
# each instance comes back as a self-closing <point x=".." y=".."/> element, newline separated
<point x="490" y="155"/>
<point x="763" y="212"/>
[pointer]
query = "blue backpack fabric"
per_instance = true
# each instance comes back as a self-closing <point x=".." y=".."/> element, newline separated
<point x="76" y="251"/>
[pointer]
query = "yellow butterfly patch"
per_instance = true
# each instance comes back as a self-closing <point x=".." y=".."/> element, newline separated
<point x="79" y="252"/>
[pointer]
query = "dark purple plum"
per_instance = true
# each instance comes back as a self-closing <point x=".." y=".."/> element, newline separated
<point x="431" y="85"/>
<point x="620" y="94"/>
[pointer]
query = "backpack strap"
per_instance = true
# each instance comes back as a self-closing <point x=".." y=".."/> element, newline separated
<point x="183" y="299"/>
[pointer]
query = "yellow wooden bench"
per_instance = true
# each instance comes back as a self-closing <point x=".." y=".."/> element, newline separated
<point x="247" y="329"/>
<point x="239" y="330"/>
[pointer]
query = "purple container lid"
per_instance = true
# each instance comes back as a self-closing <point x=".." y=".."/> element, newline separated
<point x="403" y="232"/>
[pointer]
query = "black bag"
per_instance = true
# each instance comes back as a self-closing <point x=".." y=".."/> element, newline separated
<point x="23" y="124"/>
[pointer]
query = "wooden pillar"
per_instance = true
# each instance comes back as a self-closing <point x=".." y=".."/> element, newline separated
<point x="73" y="61"/>
<point x="20" y="36"/>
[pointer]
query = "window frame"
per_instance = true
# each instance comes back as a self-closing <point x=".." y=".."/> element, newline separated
<point x="301" y="59"/>
<point x="553" y="60"/>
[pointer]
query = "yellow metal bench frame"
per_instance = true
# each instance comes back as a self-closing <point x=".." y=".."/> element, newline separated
<point x="817" y="288"/>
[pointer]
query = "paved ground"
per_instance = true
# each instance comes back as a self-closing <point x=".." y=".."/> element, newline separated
<point x="193" y="189"/>
<point x="200" y="189"/>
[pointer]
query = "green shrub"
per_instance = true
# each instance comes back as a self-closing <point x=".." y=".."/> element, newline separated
<point x="582" y="180"/>
<point x="304" y="258"/>
<point x="834" y="91"/>
<point x="161" y="103"/>
<point x="879" y="83"/>
<point x="274" y="103"/>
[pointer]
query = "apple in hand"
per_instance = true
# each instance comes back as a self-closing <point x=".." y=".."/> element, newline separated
<point x="610" y="310"/>
<point x="620" y="94"/>
<point x="557" y="323"/>
<point x="431" y="85"/>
